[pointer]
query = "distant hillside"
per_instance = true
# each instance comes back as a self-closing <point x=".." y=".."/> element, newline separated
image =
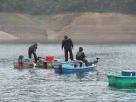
<point x="23" y="27"/>
<point x="81" y="27"/>
<point x="95" y="27"/>
<point x="61" y="6"/>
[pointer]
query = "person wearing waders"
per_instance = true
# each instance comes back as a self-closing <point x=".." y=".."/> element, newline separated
<point x="67" y="44"/>
<point x="32" y="50"/>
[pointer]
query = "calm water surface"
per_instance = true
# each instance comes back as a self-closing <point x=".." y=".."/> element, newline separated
<point x="41" y="85"/>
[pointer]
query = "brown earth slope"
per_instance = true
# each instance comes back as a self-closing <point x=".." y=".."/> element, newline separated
<point x="22" y="26"/>
<point x="81" y="27"/>
<point x="96" y="27"/>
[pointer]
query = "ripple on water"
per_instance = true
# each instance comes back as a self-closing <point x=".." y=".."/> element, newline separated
<point x="41" y="85"/>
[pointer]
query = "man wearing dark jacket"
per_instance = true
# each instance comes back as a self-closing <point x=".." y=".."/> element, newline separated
<point x="32" y="50"/>
<point x="67" y="44"/>
<point x="81" y="56"/>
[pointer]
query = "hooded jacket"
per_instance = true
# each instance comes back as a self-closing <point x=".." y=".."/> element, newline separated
<point x="67" y="44"/>
<point x="33" y="48"/>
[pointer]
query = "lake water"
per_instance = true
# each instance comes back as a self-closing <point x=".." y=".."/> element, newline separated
<point x="43" y="85"/>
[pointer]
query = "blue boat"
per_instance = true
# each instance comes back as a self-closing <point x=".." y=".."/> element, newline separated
<point x="72" y="67"/>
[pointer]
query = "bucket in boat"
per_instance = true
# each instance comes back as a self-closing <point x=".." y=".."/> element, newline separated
<point x="49" y="58"/>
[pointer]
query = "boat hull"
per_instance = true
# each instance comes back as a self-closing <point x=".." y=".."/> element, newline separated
<point x="63" y="69"/>
<point x="25" y="65"/>
<point x="117" y="80"/>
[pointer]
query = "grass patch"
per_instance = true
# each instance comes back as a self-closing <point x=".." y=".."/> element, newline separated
<point x="42" y="19"/>
<point x="12" y="18"/>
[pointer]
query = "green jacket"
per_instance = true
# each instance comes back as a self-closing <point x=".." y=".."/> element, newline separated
<point x="80" y="56"/>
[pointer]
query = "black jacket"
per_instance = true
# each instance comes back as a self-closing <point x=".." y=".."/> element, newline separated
<point x="32" y="48"/>
<point x="67" y="44"/>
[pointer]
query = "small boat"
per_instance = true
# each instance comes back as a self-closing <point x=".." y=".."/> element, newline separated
<point x="28" y="63"/>
<point x="72" y="67"/>
<point x="25" y="64"/>
<point x="45" y="63"/>
<point x="125" y="79"/>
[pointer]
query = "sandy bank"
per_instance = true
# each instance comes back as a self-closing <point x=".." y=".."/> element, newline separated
<point x="81" y="27"/>
<point x="6" y="36"/>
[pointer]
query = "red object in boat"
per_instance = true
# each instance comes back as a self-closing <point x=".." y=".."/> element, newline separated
<point x="49" y="58"/>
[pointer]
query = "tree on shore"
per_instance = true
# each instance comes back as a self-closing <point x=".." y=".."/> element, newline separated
<point x="59" y="6"/>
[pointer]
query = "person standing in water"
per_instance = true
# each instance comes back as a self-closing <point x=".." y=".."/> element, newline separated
<point x="67" y="44"/>
<point x="32" y="50"/>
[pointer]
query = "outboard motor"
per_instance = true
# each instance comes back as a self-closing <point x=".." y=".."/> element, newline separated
<point x="96" y="61"/>
<point x="21" y="61"/>
<point x="58" y="68"/>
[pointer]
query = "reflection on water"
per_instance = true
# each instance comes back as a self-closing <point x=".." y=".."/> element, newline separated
<point x="80" y="75"/>
<point x="43" y="85"/>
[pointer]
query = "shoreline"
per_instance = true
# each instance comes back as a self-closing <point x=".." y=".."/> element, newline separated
<point x="75" y="42"/>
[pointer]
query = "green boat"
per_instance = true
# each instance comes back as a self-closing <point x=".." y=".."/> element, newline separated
<point x="121" y="81"/>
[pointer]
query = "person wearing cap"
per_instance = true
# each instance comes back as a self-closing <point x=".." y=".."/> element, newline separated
<point x="32" y="50"/>
<point x="80" y="55"/>
<point x="67" y="44"/>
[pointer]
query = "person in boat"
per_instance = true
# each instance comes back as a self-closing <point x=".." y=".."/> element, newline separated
<point x="32" y="51"/>
<point x="80" y="55"/>
<point x="67" y="44"/>
<point x="20" y="61"/>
